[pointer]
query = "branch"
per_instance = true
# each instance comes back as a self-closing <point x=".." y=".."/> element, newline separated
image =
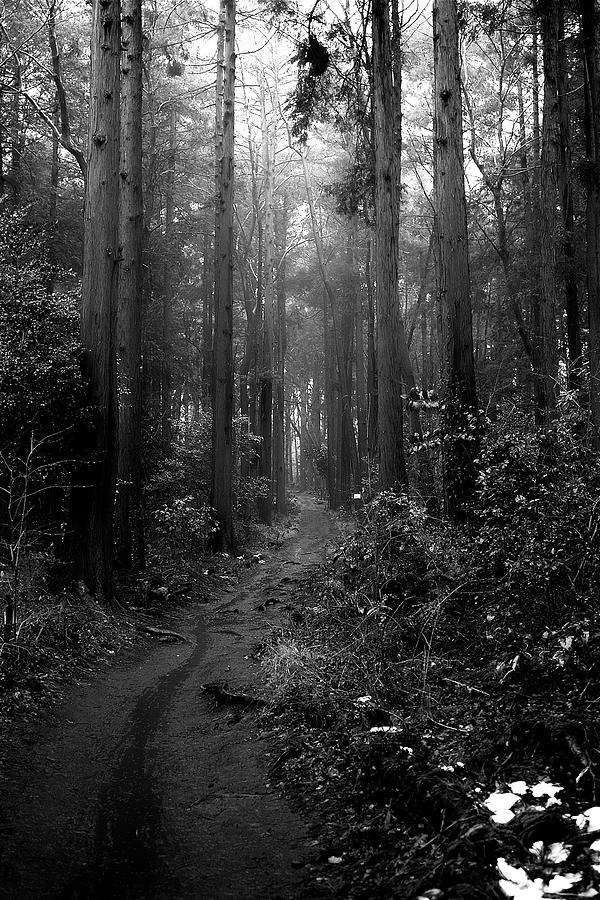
<point x="70" y="147"/>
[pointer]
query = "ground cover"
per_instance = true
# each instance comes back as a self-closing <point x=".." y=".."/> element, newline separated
<point x="441" y="713"/>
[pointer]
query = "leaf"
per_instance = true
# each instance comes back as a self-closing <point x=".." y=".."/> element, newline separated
<point x="532" y="890"/>
<point x="560" y="883"/>
<point x="537" y="849"/>
<point x="518" y="787"/>
<point x="546" y="789"/>
<point x="590" y="819"/>
<point x="511" y="873"/>
<point x="500" y="804"/>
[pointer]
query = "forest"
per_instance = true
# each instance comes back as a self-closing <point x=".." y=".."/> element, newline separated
<point x="300" y="405"/>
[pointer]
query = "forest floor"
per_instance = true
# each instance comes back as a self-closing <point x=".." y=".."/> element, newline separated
<point x="149" y="779"/>
<point x="280" y="734"/>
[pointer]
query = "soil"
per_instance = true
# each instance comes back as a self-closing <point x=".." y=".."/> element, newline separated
<point x="146" y="784"/>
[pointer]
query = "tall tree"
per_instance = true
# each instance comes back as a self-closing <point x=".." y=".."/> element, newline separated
<point x="131" y="228"/>
<point x="392" y="468"/>
<point x="452" y="258"/>
<point x="590" y="32"/>
<point x="222" y="429"/>
<point x="266" y="375"/>
<point x="545" y="360"/>
<point x="93" y="493"/>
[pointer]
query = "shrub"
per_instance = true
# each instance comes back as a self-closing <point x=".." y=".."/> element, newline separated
<point x="538" y="510"/>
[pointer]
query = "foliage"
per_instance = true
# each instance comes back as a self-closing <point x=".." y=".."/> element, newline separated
<point x="191" y="524"/>
<point x="537" y="509"/>
<point x="41" y="387"/>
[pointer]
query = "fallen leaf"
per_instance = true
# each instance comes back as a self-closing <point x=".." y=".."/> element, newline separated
<point x="560" y="883"/>
<point x="546" y="789"/>
<point x="518" y="787"/>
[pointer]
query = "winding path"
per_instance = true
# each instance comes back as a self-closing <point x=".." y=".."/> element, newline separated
<point x="143" y="788"/>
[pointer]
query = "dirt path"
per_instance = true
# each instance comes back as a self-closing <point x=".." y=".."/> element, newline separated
<point x="144" y="787"/>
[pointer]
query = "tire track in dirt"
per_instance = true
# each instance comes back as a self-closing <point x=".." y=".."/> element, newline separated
<point x="144" y="788"/>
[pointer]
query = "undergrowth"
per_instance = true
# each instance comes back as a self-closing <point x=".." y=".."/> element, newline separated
<point x="429" y="664"/>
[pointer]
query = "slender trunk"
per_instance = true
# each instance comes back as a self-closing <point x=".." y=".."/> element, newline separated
<point x="280" y="354"/>
<point x="167" y="285"/>
<point x="361" y="381"/>
<point x="544" y="323"/>
<point x="15" y="134"/>
<point x="222" y="443"/>
<point x="372" y="394"/>
<point x="265" y="505"/>
<point x="207" y="323"/>
<point x="565" y="178"/>
<point x="131" y="227"/>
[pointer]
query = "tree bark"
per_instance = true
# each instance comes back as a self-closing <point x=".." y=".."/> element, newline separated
<point x="265" y="505"/>
<point x="93" y="492"/>
<point x="590" y="32"/>
<point x="392" y="467"/>
<point x="545" y="363"/>
<point x="565" y="179"/>
<point x="131" y="228"/>
<point x="222" y="443"/>
<point x="452" y="258"/>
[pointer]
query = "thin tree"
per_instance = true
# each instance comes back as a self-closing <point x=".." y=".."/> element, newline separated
<point x="545" y="361"/>
<point x="265" y="505"/>
<point x="222" y="430"/>
<point x="452" y="269"/>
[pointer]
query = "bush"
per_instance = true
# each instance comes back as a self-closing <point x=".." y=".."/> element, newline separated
<point x="192" y="524"/>
<point x="537" y="509"/>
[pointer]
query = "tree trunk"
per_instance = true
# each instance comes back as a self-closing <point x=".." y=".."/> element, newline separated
<point x="93" y="491"/>
<point x="222" y="443"/>
<point x="392" y="468"/>
<point x="131" y="226"/>
<point x="207" y="324"/>
<point x="372" y="411"/>
<point x="544" y="322"/>
<point x="166" y="413"/>
<point x="459" y="442"/>
<point x="280" y="354"/>
<point x="590" y="32"/>
<point x="361" y="380"/>
<point x="565" y="178"/>
<point x="265" y="505"/>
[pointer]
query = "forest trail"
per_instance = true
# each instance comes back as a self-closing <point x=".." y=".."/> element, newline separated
<point x="143" y="785"/>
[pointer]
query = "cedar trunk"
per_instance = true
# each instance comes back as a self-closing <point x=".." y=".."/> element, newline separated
<point x="392" y="468"/>
<point x="452" y="267"/>
<point x="131" y="227"/>
<point x="222" y="443"/>
<point x="94" y="489"/>
<point x="590" y="30"/>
